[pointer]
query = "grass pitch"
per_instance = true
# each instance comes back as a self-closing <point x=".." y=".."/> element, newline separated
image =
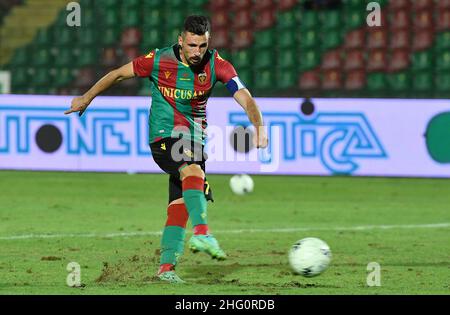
<point x="109" y="225"/>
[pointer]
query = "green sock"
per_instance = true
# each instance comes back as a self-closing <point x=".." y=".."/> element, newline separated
<point x="172" y="244"/>
<point x="194" y="199"/>
<point x="196" y="205"/>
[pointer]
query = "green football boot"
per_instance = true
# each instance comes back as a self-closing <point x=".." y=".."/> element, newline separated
<point x="170" y="277"/>
<point x="207" y="244"/>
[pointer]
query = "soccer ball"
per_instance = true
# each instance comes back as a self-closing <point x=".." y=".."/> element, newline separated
<point x="309" y="257"/>
<point x="241" y="184"/>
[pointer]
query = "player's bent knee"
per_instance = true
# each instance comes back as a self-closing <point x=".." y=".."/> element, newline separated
<point x="178" y="201"/>
<point x="192" y="170"/>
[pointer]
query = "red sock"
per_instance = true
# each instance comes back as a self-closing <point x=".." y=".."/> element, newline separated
<point x="165" y="267"/>
<point x="201" y="229"/>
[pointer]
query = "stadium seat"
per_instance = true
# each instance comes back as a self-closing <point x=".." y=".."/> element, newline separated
<point x="423" y="81"/>
<point x="40" y="77"/>
<point x="218" y="5"/>
<point x="153" y="19"/>
<point x="331" y="80"/>
<point x="308" y="59"/>
<point x="443" y="41"/>
<point x="43" y="38"/>
<point x="86" y="37"/>
<point x="42" y="57"/>
<point x="132" y="18"/>
<point x="423" y="39"/>
<point x="309" y="39"/>
<point x="443" y="20"/>
<point x="19" y="78"/>
<point x="399" y="83"/>
<point x="286" y="4"/>
<point x="220" y="39"/>
<point x="265" y="79"/>
<point x="286" y="78"/>
<point x="86" y="57"/>
<point x="423" y="20"/>
<point x="331" y="39"/>
<point x="109" y="57"/>
<point x="243" y="38"/>
<point x="442" y="5"/>
<point x="377" y="39"/>
<point x="443" y="82"/>
<point x="288" y="20"/>
<point x="220" y="21"/>
<point x="266" y="19"/>
<point x="265" y="39"/>
<point x="241" y="5"/>
<point x="399" y="60"/>
<point x="377" y="61"/>
<point x="376" y="82"/>
<point x="262" y="5"/>
<point x="400" y="20"/>
<point x="400" y="39"/>
<point x="423" y="60"/>
<point x="330" y="20"/>
<point x="309" y="81"/>
<point x="443" y="61"/>
<point x="355" y="19"/>
<point x="332" y="60"/>
<point x="64" y="36"/>
<point x="354" y="59"/>
<point x="355" y="80"/>
<point x="423" y="5"/>
<point x="130" y="37"/>
<point x="62" y="56"/>
<point x="246" y="76"/>
<point x="399" y="5"/>
<point x="286" y="59"/>
<point x="242" y="20"/>
<point x="20" y="58"/>
<point x="309" y="20"/>
<point x="264" y="59"/>
<point x="287" y="39"/>
<point x="355" y="39"/>
<point x="242" y="58"/>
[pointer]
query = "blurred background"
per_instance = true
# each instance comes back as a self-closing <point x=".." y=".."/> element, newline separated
<point x="301" y="48"/>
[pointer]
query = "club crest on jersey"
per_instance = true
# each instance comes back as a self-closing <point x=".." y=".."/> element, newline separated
<point x="167" y="74"/>
<point x="202" y="77"/>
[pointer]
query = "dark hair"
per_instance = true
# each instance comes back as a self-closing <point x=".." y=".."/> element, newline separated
<point x="196" y="24"/>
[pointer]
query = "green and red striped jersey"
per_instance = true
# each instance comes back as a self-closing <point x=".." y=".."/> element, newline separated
<point x="180" y="91"/>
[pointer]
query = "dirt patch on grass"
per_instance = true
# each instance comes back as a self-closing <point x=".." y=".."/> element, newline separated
<point x="50" y="258"/>
<point x="135" y="269"/>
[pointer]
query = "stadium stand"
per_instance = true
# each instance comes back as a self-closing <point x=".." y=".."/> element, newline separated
<point x="279" y="47"/>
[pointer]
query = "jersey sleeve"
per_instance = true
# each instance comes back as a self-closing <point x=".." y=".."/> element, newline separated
<point x="224" y="70"/>
<point x="226" y="74"/>
<point x="143" y="65"/>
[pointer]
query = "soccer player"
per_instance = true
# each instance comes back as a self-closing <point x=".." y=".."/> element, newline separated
<point x="183" y="76"/>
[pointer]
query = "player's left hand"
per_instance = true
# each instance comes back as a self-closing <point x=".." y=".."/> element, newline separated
<point x="260" y="139"/>
<point x="79" y="104"/>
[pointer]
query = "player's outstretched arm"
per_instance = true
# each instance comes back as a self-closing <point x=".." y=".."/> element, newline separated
<point x="79" y="104"/>
<point x="245" y="99"/>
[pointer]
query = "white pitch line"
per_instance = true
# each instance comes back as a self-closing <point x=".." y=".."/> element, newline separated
<point x="279" y="230"/>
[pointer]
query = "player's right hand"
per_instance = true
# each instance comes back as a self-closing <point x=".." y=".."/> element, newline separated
<point x="79" y="104"/>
